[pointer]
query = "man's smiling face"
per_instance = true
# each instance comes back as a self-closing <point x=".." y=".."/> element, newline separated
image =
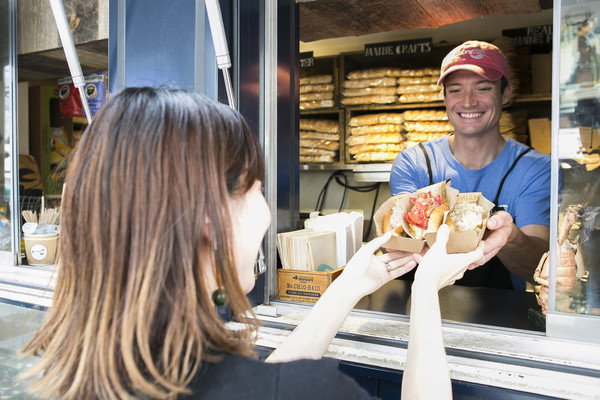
<point x="474" y="104"/>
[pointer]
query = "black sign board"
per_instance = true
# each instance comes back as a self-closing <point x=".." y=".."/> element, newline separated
<point x="404" y="48"/>
<point x="539" y="38"/>
<point x="307" y="59"/>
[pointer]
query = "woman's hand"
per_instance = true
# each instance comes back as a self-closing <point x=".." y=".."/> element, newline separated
<point x="365" y="272"/>
<point x="441" y="268"/>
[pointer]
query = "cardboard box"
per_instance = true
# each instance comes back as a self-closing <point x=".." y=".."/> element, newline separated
<point x="590" y="138"/>
<point x="304" y="286"/>
<point x="458" y="242"/>
<point x="595" y="139"/>
<point x="541" y="78"/>
<point x="540" y="134"/>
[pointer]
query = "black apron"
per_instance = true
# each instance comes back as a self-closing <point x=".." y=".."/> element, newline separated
<point x="492" y="274"/>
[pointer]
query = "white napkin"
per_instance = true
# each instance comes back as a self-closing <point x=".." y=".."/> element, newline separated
<point x="348" y="228"/>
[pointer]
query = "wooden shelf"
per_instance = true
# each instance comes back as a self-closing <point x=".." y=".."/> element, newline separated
<point x="533" y="97"/>
<point x="318" y="111"/>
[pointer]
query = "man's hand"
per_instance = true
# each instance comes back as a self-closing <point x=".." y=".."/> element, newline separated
<point x="519" y="249"/>
<point x="500" y="228"/>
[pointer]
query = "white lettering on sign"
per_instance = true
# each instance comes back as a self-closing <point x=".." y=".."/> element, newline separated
<point x="422" y="46"/>
<point x="413" y="48"/>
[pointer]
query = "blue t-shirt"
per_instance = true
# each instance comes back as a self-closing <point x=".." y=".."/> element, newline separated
<point x="526" y="191"/>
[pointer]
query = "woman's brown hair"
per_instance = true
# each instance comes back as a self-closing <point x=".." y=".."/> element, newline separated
<point x="144" y="207"/>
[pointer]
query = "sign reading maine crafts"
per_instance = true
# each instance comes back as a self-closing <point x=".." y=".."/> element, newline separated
<point x="307" y="59"/>
<point x="539" y="38"/>
<point x="415" y="47"/>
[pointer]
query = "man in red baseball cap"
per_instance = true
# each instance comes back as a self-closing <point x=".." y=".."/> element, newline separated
<point x="476" y="84"/>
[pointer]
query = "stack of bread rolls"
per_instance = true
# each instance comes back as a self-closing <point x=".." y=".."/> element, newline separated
<point x="319" y="140"/>
<point x="425" y="125"/>
<point x="375" y="137"/>
<point x="370" y="86"/>
<point x="317" y="91"/>
<point x="419" y="86"/>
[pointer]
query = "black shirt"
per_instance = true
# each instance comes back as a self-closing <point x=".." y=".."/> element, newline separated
<point x="238" y="377"/>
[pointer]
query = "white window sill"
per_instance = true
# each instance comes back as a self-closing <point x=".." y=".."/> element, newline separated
<point x="28" y="284"/>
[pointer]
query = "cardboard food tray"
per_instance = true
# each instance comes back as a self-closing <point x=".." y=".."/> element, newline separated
<point x="304" y="286"/>
<point x="463" y="242"/>
<point x="458" y="242"/>
<point x="403" y="203"/>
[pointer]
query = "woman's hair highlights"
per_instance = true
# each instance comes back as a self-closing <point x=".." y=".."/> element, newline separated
<point x="132" y="316"/>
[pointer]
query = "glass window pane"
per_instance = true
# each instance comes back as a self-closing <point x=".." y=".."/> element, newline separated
<point x="7" y="129"/>
<point x="577" y="265"/>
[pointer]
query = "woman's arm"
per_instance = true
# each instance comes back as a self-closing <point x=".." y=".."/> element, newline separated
<point x="426" y="374"/>
<point x="364" y="274"/>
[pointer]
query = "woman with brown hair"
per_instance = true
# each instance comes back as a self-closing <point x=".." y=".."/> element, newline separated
<point x="162" y="213"/>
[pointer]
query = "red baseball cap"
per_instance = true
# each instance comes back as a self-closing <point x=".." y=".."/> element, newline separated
<point x="483" y="58"/>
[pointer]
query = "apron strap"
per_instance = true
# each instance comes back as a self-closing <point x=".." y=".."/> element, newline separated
<point x="498" y="207"/>
<point x="428" y="163"/>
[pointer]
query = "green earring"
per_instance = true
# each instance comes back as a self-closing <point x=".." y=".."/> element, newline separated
<point x="220" y="297"/>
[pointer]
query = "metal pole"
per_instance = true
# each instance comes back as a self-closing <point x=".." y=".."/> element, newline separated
<point x="215" y="19"/>
<point x="70" y="53"/>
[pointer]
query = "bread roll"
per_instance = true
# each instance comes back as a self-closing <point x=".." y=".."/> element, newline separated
<point x="316" y="159"/>
<point x="328" y="87"/>
<point x="386" y="91"/>
<point x="420" y="98"/>
<point x="374" y="119"/>
<point x="316" y="96"/>
<point x="374" y="99"/>
<point x="320" y="144"/>
<point x="319" y="125"/>
<point x="309" y="151"/>
<point x="436" y="218"/>
<point x="316" y="79"/>
<point x="373" y="82"/>
<point x="319" y="135"/>
<point x="375" y="138"/>
<point x="428" y="88"/>
<point x="425" y="115"/>
<point x="376" y="148"/>
<point x="417" y="80"/>
<point x="376" y="156"/>
<point x="388" y="226"/>
<point x="375" y="73"/>
<point x="380" y="128"/>
<point x="314" y="104"/>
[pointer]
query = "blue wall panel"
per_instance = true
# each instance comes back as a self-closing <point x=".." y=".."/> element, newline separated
<point x="169" y="38"/>
<point x="159" y="38"/>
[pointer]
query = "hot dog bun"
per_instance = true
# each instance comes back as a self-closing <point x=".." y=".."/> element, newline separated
<point x="416" y="232"/>
<point x="436" y="218"/>
<point x="388" y="224"/>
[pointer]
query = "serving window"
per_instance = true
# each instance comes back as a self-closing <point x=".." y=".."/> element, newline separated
<point x="529" y="118"/>
<point x="574" y="267"/>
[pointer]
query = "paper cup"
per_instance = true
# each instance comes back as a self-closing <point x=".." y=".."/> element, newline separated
<point x="41" y="249"/>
